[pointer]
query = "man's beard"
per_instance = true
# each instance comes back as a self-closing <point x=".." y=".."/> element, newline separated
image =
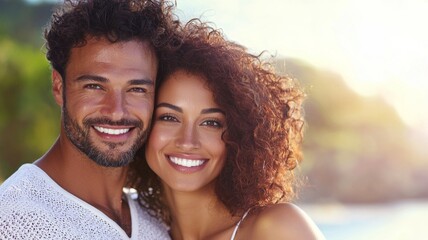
<point x="80" y="138"/>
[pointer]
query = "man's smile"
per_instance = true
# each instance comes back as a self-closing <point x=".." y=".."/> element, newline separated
<point x="112" y="131"/>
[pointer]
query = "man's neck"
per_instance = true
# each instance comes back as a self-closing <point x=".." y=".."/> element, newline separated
<point x="99" y="186"/>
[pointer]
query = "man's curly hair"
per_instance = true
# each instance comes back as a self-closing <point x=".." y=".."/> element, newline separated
<point x="115" y="20"/>
<point x="264" y="123"/>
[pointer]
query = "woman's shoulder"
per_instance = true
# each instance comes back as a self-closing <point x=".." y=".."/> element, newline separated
<point x="284" y="221"/>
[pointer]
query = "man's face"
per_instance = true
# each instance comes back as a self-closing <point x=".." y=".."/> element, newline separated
<point x="107" y="100"/>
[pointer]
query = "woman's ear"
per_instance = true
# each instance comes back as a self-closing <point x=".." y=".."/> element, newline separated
<point x="57" y="88"/>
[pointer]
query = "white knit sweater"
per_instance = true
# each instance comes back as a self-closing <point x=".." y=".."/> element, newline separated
<point x="33" y="206"/>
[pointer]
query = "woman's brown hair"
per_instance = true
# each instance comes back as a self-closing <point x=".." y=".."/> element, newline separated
<point x="264" y="123"/>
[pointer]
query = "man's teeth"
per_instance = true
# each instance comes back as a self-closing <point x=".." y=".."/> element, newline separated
<point x="112" y="131"/>
<point x="186" y="162"/>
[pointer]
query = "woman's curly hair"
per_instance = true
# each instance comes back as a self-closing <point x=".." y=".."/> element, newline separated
<point x="264" y="123"/>
<point x="116" y="20"/>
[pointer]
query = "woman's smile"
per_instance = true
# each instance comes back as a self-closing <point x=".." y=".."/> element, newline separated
<point x="185" y="148"/>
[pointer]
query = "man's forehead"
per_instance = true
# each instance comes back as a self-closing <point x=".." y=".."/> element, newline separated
<point x="134" y="59"/>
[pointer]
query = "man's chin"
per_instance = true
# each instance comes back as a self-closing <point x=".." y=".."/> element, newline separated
<point x="111" y="162"/>
<point x="111" y="157"/>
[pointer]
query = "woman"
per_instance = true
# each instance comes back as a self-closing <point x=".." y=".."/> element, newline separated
<point x="225" y="139"/>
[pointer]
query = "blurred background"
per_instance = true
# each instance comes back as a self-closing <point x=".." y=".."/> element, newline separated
<point x="363" y="64"/>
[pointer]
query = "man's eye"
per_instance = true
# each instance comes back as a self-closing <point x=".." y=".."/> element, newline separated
<point x="93" y="86"/>
<point x="138" y="90"/>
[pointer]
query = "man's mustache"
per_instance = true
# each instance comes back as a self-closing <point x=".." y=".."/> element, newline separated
<point x="107" y="121"/>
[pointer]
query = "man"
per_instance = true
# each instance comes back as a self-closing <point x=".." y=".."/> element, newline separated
<point x="104" y="59"/>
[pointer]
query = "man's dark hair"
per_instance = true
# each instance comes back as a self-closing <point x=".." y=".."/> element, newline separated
<point x="115" y="20"/>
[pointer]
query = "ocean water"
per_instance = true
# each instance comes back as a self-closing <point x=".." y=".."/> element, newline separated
<point x="407" y="220"/>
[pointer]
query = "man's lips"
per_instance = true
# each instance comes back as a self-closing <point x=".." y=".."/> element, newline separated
<point x="112" y="131"/>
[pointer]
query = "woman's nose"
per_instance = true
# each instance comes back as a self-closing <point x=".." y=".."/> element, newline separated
<point x="188" y="138"/>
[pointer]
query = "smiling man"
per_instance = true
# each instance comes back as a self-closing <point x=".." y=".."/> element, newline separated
<point x="109" y="99"/>
<point x="104" y="57"/>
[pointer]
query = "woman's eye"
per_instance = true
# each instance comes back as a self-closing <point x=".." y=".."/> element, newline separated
<point x="212" y="123"/>
<point x="168" y="118"/>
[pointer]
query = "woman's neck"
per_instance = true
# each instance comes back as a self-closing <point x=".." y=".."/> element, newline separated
<point x="199" y="215"/>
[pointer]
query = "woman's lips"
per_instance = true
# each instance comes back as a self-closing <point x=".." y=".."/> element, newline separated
<point x="186" y="164"/>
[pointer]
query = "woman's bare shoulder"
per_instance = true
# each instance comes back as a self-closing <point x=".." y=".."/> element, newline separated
<point x="284" y="221"/>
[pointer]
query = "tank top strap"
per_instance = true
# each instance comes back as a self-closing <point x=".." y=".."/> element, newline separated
<point x="239" y="223"/>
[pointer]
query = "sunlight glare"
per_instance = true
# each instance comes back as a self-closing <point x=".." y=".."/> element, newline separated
<point x="377" y="46"/>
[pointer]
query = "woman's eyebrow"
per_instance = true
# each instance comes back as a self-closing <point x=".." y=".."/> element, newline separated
<point x="212" y="110"/>
<point x="178" y="109"/>
<point x="168" y="105"/>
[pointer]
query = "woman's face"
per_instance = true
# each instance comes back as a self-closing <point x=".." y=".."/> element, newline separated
<point x="185" y="148"/>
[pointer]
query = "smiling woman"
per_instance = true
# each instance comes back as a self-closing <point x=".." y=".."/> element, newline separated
<point x="225" y="139"/>
<point x="185" y="147"/>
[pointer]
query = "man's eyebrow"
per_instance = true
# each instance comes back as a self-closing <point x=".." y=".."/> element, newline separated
<point x="91" y="78"/>
<point x="213" y="110"/>
<point x="96" y="78"/>
<point x="141" y="82"/>
<point x="171" y="106"/>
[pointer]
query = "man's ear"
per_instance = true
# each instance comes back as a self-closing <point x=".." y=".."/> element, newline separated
<point x="57" y="87"/>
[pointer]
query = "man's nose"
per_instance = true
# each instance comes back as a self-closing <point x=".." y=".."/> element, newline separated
<point x="114" y="105"/>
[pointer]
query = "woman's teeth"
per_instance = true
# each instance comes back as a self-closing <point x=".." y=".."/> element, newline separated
<point x="186" y="162"/>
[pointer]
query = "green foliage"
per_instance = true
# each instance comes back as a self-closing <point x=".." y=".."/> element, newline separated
<point x="28" y="116"/>
<point x="23" y="22"/>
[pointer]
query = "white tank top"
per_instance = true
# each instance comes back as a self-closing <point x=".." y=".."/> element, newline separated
<point x="239" y="223"/>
